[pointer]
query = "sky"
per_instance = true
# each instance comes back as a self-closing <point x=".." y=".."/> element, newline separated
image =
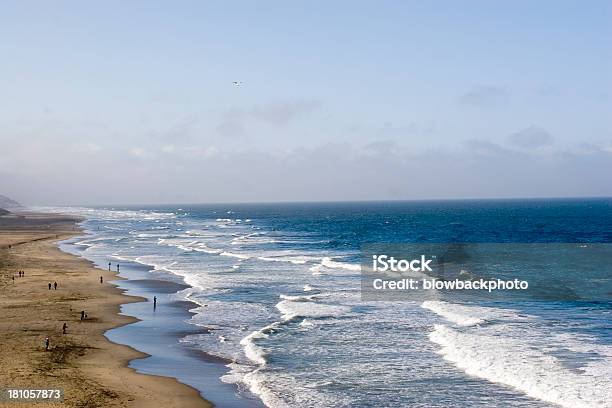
<point x="120" y="102"/>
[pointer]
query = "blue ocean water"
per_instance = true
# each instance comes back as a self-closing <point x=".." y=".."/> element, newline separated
<point x="280" y="286"/>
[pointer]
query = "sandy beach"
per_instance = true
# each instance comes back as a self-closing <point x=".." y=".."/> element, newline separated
<point x="91" y="370"/>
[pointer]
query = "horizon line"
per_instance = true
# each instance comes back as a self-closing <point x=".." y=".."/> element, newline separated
<point x="542" y="198"/>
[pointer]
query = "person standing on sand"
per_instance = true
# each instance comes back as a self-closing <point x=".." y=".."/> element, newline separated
<point x="64" y="327"/>
<point x="109" y="266"/>
<point x="101" y="279"/>
<point x="49" y="285"/>
<point x="154" y="302"/>
<point x="82" y="314"/>
<point x="54" y="285"/>
<point x="46" y="344"/>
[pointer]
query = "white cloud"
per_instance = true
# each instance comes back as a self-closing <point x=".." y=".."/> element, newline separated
<point x="139" y="152"/>
<point x="485" y="96"/>
<point x="531" y="137"/>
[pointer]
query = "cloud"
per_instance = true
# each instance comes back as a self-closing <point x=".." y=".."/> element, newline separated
<point x="139" y="152"/>
<point x="485" y="96"/>
<point x="486" y="148"/>
<point x="282" y="112"/>
<point x="382" y="147"/>
<point x="183" y="129"/>
<point x="531" y="137"/>
<point x="86" y="147"/>
<point x="235" y="122"/>
<point x="326" y="172"/>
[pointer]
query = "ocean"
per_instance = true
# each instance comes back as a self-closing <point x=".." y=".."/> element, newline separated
<point x="275" y="300"/>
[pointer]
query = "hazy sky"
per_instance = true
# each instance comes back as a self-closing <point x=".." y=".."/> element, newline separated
<point x="133" y="102"/>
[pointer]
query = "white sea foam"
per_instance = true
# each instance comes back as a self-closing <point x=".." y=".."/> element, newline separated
<point x="296" y="261"/>
<point x="291" y="309"/>
<point x="452" y="313"/>
<point x="506" y="358"/>
<point x="256" y="381"/>
<point x="298" y="298"/>
<point x="470" y="315"/>
<point x="272" y="388"/>
<point x="330" y="263"/>
<point x="201" y="247"/>
<point x="316" y="270"/>
<point x="307" y="323"/>
<point x="234" y="255"/>
<point x="251" y="350"/>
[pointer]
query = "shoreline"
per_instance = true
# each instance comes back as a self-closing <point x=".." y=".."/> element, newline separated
<point x="92" y="370"/>
<point x="158" y="331"/>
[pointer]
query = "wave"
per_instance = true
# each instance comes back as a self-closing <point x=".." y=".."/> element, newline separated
<point x="299" y="298"/>
<point x="329" y="263"/>
<point x="251" y="350"/>
<point x="296" y="261"/>
<point x="255" y="381"/>
<point x="234" y="255"/>
<point x="280" y="390"/>
<point x="306" y="308"/>
<point x="451" y="313"/>
<point x="316" y="270"/>
<point x="511" y="361"/>
<point x="464" y="315"/>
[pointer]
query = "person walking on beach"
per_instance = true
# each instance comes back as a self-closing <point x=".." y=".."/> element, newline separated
<point x="109" y="266"/>
<point x="49" y="285"/>
<point x="54" y="285"/>
<point x="64" y="327"/>
<point x="154" y="302"/>
<point x="117" y="267"/>
<point x="82" y="314"/>
<point x="46" y="344"/>
<point x="101" y="279"/>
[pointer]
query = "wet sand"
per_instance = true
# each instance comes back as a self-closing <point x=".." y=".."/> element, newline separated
<point x="92" y="371"/>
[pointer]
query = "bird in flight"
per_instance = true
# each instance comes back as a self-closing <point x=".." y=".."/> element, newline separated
<point x="237" y="83"/>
